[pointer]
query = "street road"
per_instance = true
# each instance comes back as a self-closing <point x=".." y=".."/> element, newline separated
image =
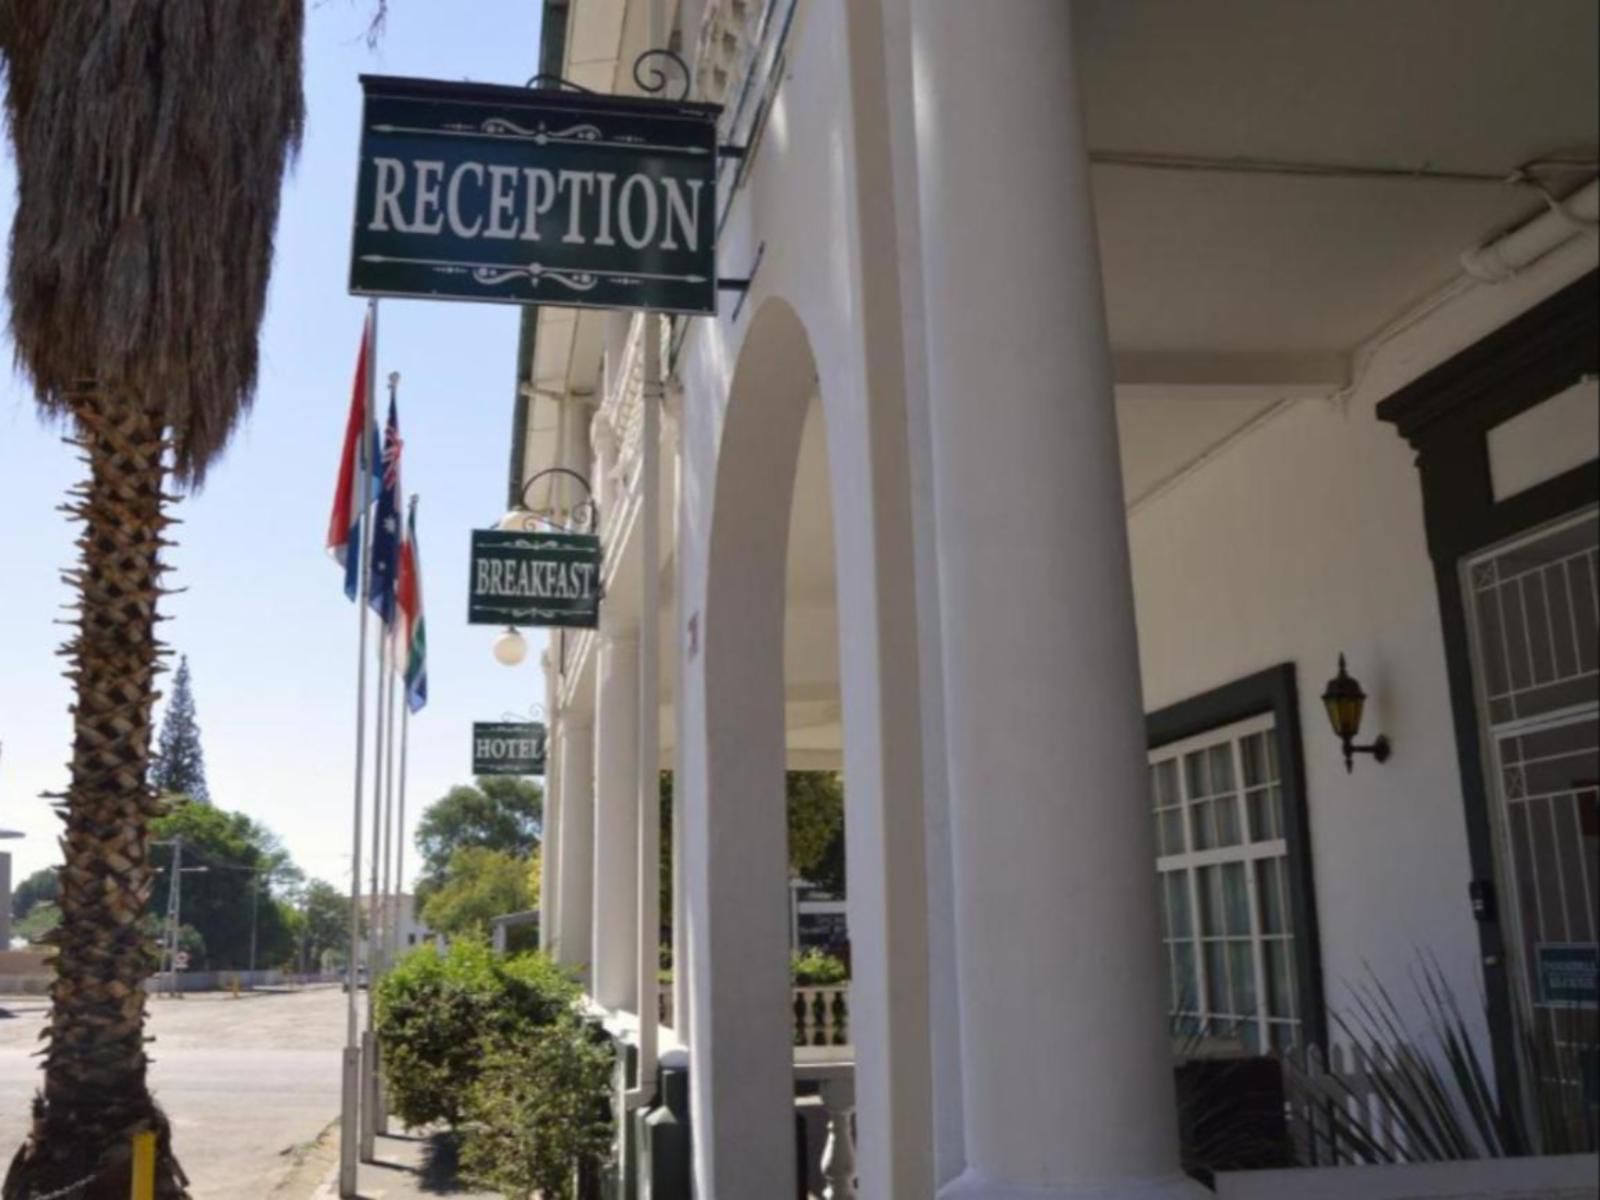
<point x="243" y="1081"/>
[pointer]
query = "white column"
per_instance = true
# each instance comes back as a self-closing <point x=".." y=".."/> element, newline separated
<point x="574" y="907"/>
<point x="616" y="820"/>
<point x="550" y="841"/>
<point x="1065" y="1067"/>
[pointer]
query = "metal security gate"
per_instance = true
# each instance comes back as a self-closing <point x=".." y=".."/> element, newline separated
<point x="1534" y="607"/>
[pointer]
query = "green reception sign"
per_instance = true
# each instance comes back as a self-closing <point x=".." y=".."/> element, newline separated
<point x="534" y="579"/>
<point x="527" y="196"/>
<point x="508" y="748"/>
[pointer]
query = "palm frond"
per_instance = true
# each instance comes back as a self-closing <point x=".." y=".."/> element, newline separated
<point x="151" y="139"/>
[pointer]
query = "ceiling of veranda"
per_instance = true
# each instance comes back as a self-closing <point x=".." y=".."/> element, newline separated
<point x="1272" y="280"/>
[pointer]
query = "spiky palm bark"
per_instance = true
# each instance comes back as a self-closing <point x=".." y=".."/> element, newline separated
<point x="95" y="1095"/>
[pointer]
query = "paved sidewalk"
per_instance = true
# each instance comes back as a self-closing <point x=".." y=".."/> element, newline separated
<point x="410" y="1166"/>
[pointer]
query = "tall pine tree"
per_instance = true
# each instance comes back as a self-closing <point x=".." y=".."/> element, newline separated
<point x="180" y="764"/>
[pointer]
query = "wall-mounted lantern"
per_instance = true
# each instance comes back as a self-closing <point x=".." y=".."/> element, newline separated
<point x="1345" y="701"/>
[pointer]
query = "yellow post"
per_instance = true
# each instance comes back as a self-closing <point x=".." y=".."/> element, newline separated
<point x="144" y="1165"/>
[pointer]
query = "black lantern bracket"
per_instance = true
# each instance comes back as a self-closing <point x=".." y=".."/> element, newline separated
<point x="1345" y="701"/>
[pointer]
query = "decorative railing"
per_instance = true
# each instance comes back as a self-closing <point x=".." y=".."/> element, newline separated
<point x="618" y="425"/>
<point x="821" y="1014"/>
<point x="729" y="31"/>
<point x="835" y="1084"/>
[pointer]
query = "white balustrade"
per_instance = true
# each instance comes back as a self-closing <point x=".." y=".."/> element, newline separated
<point x="839" y="1152"/>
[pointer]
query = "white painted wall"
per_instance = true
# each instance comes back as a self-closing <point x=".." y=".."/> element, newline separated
<point x="1302" y="539"/>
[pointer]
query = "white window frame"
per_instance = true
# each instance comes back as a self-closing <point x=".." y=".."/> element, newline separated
<point x="1246" y="852"/>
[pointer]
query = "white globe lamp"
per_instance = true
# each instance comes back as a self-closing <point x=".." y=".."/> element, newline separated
<point x="510" y="648"/>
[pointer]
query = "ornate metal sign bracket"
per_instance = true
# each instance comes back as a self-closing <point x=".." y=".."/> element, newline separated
<point x="656" y="70"/>
<point x="586" y="515"/>
<point x="544" y="79"/>
<point x="742" y="285"/>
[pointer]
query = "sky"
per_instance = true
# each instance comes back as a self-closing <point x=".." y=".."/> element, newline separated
<point x="270" y="637"/>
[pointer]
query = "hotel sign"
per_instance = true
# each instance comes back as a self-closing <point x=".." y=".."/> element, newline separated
<point x="532" y="196"/>
<point x="534" y="578"/>
<point x="508" y="748"/>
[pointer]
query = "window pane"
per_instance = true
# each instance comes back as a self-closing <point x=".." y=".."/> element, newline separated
<point x="1170" y="834"/>
<point x="1242" y="973"/>
<point x="1201" y="834"/>
<point x="1217" y="977"/>
<point x="1177" y="888"/>
<point x="1272" y="757"/>
<point x="1237" y="897"/>
<point x="1210" y="887"/>
<point x="1194" y="774"/>
<point x="1227" y="814"/>
<point x="1282" y="1035"/>
<point x="1222" y="767"/>
<point x="1273" y="909"/>
<point x="1185" y="988"/>
<point x="1167" y="777"/>
<point x="1254" y="754"/>
<point x="1280" y="977"/>
<point x="1281" y="866"/>
<point x="1264" y="824"/>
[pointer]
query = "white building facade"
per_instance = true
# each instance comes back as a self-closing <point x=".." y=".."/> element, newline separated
<point x="1101" y="373"/>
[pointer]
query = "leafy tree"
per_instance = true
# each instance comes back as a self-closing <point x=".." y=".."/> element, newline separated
<point x="498" y="812"/>
<point x="243" y="864"/>
<point x="180" y="764"/>
<point x="35" y="889"/>
<point x="535" y="874"/>
<point x="41" y="919"/>
<point x="816" y="828"/>
<point x="816" y="832"/>
<point x="151" y="141"/>
<point x="326" y="916"/>
<point x="479" y="885"/>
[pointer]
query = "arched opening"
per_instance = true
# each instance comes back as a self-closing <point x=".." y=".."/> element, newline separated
<point x="772" y="707"/>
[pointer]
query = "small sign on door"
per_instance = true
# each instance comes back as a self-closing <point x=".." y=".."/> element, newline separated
<point x="1567" y="974"/>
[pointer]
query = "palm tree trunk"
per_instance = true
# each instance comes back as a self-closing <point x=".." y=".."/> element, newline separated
<point x="95" y="1095"/>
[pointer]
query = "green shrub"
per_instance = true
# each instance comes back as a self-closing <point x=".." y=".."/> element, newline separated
<point x="815" y="968"/>
<point x="538" y="1111"/>
<point x="436" y="1016"/>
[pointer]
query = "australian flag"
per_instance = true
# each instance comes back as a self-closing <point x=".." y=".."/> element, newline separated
<point x="386" y="524"/>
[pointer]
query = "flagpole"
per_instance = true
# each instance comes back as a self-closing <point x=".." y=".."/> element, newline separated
<point x="380" y="1108"/>
<point x="405" y="725"/>
<point x="369" y="1072"/>
<point x="349" y="1108"/>
<point x="388" y="807"/>
<point x="369" y="1043"/>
